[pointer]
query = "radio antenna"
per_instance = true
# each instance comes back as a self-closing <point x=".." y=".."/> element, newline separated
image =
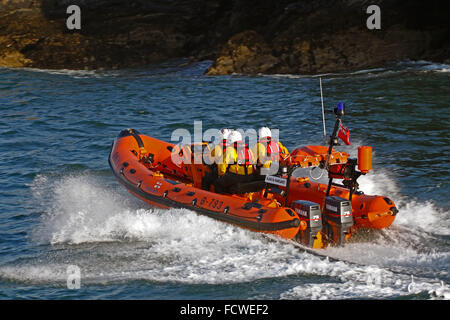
<point x="323" y="113"/>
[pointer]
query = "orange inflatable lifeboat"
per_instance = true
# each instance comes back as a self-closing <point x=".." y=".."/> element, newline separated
<point x="293" y="208"/>
<point x="144" y="166"/>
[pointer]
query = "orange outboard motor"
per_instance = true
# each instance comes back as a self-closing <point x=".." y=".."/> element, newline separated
<point x="365" y="159"/>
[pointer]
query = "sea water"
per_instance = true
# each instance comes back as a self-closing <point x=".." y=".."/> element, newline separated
<point x="61" y="206"/>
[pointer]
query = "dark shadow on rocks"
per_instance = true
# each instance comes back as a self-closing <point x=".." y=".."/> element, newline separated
<point x="242" y="36"/>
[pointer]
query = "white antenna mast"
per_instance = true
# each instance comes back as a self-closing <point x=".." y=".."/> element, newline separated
<point x="323" y="113"/>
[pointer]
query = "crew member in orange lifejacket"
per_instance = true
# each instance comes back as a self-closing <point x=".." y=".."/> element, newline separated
<point x="237" y="166"/>
<point x="218" y="152"/>
<point x="215" y="157"/>
<point x="268" y="150"/>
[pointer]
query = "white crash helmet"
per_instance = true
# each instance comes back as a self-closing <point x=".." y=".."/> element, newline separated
<point x="234" y="136"/>
<point x="264" y="132"/>
<point x="224" y="133"/>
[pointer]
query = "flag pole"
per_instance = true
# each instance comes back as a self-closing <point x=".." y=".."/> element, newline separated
<point x="323" y="112"/>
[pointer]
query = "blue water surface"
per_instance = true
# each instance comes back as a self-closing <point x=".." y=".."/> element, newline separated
<point x="60" y="204"/>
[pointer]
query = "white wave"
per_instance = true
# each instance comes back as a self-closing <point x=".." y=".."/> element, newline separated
<point x="112" y="241"/>
<point x="424" y="215"/>
<point x="418" y="215"/>
<point x="421" y="63"/>
<point x="77" y="74"/>
<point x="394" y="255"/>
<point x="39" y="273"/>
<point x="401" y="66"/>
<point x="324" y="75"/>
<point x="375" y="288"/>
<point x="438" y="68"/>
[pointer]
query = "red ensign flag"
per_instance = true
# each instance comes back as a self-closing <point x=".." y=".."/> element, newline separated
<point x="344" y="134"/>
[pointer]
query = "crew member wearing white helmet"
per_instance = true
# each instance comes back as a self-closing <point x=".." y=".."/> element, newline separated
<point x="267" y="150"/>
<point x="216" y="157"/>
<point x="238" y="164"/>
<point x="219" y="150"/>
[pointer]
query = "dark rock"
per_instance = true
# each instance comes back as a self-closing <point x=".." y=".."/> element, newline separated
<point x="245" y="53"/>
<point x="241" y="36"/>
<point x="115" y="33"/>
<point x="331" y="36"/>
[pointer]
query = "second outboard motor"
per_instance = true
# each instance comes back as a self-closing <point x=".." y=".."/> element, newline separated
<point x="310" y="221"/>
<point x="337" y="219"/>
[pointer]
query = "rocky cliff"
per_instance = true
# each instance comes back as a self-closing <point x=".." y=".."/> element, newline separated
<point x="240" y="36"/>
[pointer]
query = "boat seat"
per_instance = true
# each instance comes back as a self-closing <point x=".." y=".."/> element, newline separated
<point x="253" y="186"/>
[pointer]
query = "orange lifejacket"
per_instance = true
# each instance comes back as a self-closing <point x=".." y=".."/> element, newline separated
<point x="272" y="148"/>
<point x="244" y="159"/>
<point x="224" y="145"/>
<point x="244" y="155"/>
